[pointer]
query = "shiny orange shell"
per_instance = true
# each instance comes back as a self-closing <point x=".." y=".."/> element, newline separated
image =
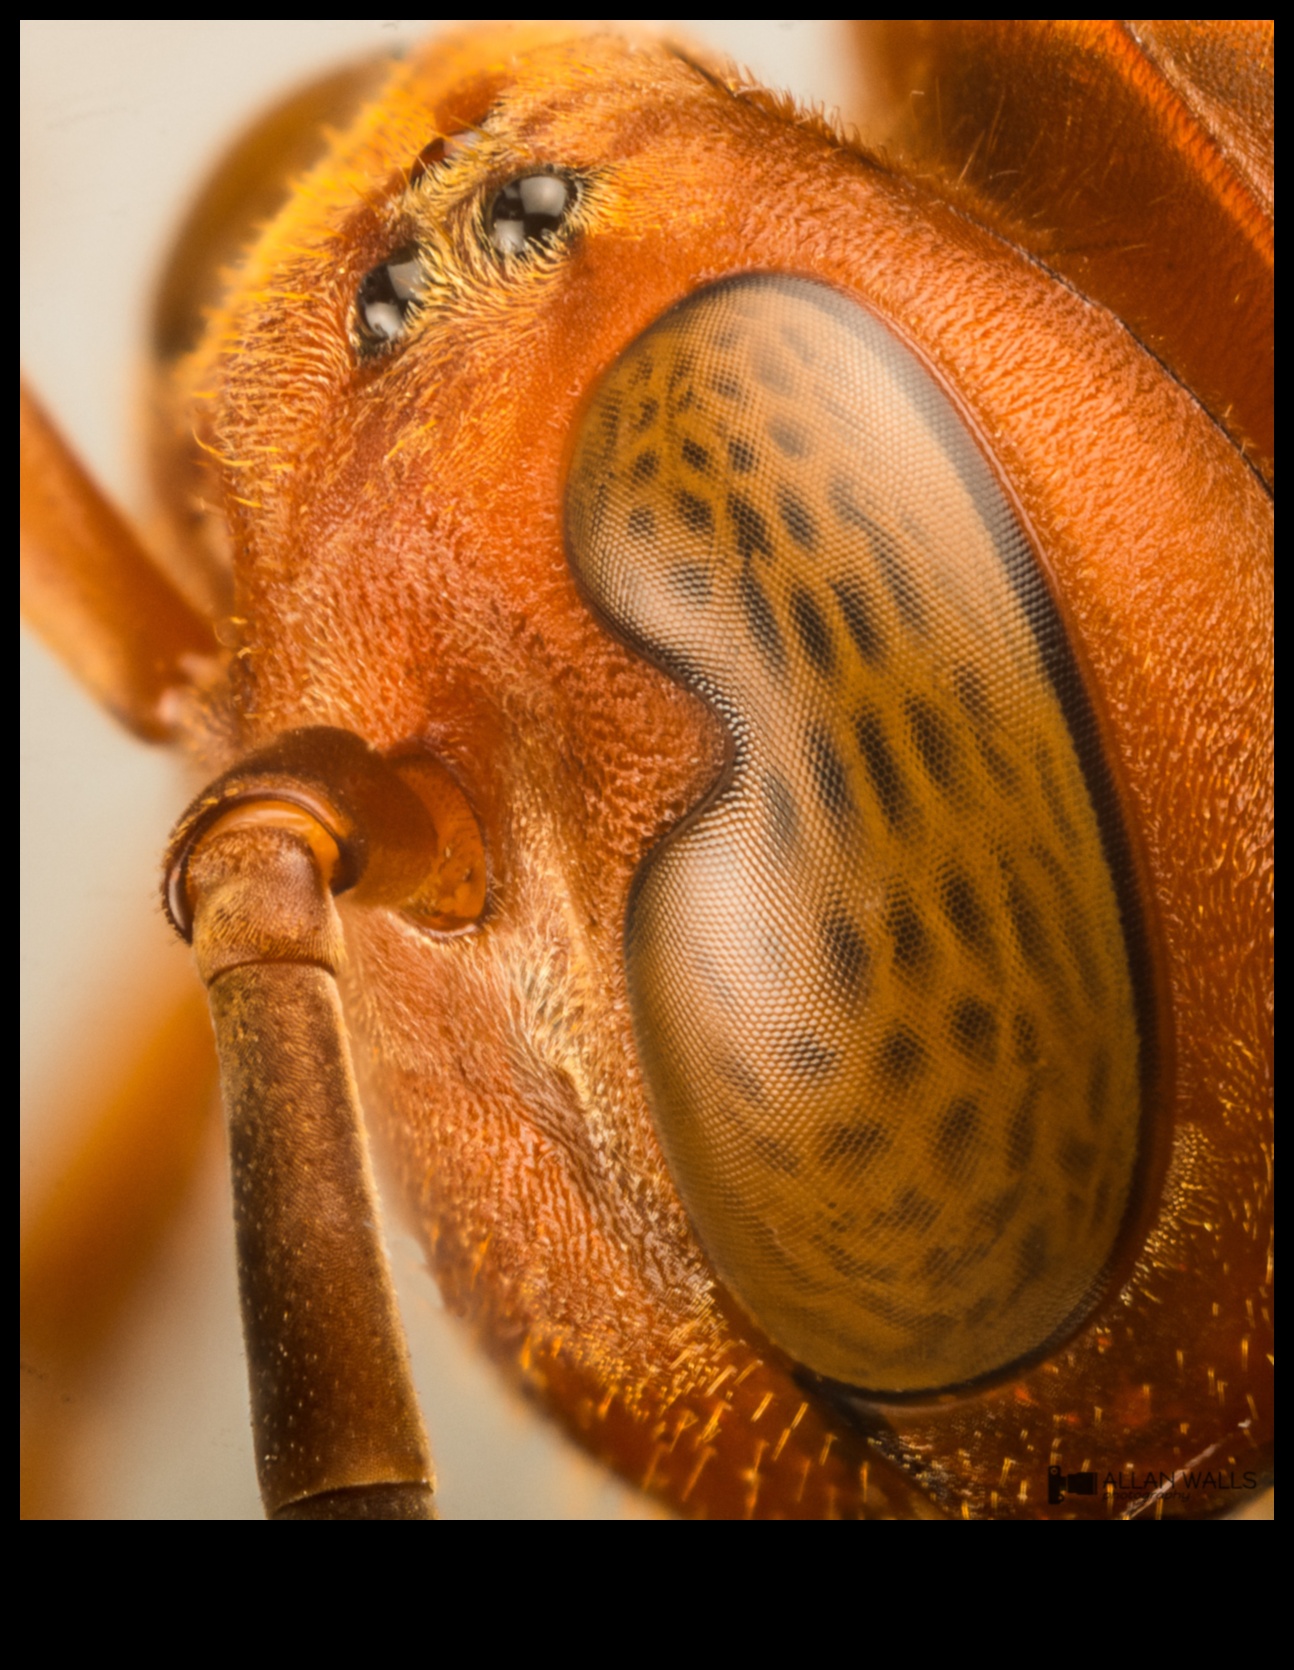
<point x="1199" y="696"/>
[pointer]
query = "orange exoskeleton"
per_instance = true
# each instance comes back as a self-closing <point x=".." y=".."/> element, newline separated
<point x="823" y="607"/>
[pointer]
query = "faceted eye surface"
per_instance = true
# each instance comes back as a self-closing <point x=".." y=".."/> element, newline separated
<point x="527" y="210"/>
<point x="885" y="985"/>
<point x="386" y="298"/>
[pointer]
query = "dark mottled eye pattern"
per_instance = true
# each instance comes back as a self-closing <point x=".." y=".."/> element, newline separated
<point x="386" y="298"/>
<point x="527" y="210"/>
<point x="884" y="1000"/>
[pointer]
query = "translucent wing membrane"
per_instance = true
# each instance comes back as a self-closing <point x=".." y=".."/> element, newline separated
<point x="881" y="984"/>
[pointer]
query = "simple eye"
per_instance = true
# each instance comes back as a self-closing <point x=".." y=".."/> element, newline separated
<point x="386" y="297"/>
<point x="528" y="210"/>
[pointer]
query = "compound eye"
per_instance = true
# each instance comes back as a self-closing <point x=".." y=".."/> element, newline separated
<point x="528" y="211"/>
<point x="387" y="297"/>
<point x="885" y="984"/>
